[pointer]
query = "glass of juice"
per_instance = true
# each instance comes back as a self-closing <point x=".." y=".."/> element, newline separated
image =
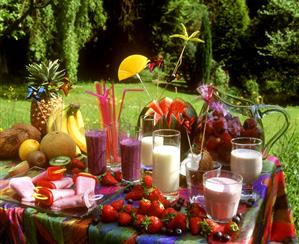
<point x="247" y="160"/>
<point x="166" y="162"/>
<point x="130" y="153"/>
<point x="96" y="150"/>
<point x="222" y="193"/>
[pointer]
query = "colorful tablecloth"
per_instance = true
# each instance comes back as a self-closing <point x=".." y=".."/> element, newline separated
<point x="268" y="220"/>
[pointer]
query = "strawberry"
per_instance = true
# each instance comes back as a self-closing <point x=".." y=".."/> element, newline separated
<point x="118" y="204"/>
<point x="208" y="227"/>
<point x="118" y="176"/>
<point x="138" y="220"/>
<point x="155" y="194"/>
<point x="144" y="206"/>
<point x="194" y="225"/>
<point x="168" y="212"/>
<point x="231" y="228"/>
<point x="178" y="221"/>
<point x="136" y="193"/>
<point x="128" y="209"/>
<point x="156" y="209"/>
<point x="76" y="163"/>
<point x="148" y="181"/>
<point x="195" y="210"/>
<point x="124" y="218"/>
<point x="249" y="123"/>
<point x="108" y="179"/>
<point x="152" y="224"/>
<point x="225" y="141"/>
<point x="109" y="214"/>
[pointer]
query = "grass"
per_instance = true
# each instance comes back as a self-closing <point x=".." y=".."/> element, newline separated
<point x="14" y="108"/>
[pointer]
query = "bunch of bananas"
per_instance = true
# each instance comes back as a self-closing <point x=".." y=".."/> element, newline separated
<point x="70" y="121"/>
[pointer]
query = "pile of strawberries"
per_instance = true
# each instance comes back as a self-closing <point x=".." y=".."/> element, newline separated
<point x="155" y="214"/>
<point x="220" y="129"/>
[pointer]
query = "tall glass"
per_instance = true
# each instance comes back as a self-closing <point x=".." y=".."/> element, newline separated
<point x="247" y="160"/>
<point x="166" y="162"/>
<point x="146" y="132"/>
<point x="222" y="193"/>
<point x="96" y="150"/>
<point x="130" y="153"/>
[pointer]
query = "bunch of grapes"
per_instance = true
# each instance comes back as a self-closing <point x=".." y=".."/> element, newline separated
<point x="220" y="128"/>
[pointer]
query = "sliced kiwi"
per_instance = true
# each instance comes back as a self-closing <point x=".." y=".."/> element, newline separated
<point x="60" y="161"/>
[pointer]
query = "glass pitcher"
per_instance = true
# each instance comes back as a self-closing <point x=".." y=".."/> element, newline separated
<point x="224" y="116"/>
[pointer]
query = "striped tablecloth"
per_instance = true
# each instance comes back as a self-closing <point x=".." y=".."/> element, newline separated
<point x="270" y="219"/>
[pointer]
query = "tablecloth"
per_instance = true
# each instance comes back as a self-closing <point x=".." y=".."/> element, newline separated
<point x="270" y="219"/>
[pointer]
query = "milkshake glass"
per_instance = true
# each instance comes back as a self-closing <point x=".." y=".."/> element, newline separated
<point x="166" y="162"/>
<point x="130" y="154"/>
<point x="247" y="160"/>
<point x="96" y="151"/>
<point x="146" y="134"/>
<point x="222" y="193"/>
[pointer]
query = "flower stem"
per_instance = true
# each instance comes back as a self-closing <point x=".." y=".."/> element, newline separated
<point x="204" y="131"/>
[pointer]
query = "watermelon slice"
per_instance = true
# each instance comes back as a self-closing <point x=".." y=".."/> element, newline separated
<point x="164" y="104"/>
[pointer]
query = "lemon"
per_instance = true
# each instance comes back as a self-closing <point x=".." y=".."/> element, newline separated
<point x="131" y="65"/>
<point x="28" y="146"/>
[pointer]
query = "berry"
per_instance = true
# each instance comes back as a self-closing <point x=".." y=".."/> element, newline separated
<point x="177" y="206"/>
<point x="181" y="200"/>
<point x="117" y="204"/>
<point x="194" y="225"/>
<point x="217" y="236"/>
<point x="124" y="218"/>
<point x="130" y="201"/>
<point x="148" y="181"/>
<point x="156" y="209"/>
<point x="220" y="125"/>
<point x="208" y="227"/>
<point x="109" y="214"/>
<point x="231" y="227"/>
<point x="144" y="206"/>
<point x="118" y="176"/>
<point x="108" y="179"/>
<point x="136" y="193"/>
<point x="195" y="210"/>
<point x="152" y="224"/>
<point x="225" y="238"/>
<point x="249" y="124"/>
<point x="178" y="231"/>
<point x="236" y="219"/>
<point x="138" y="220"/>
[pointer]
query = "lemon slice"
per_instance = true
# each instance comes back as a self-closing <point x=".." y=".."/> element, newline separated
<point x="131" y="66"/>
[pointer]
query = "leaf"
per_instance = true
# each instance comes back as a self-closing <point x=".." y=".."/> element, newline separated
<point x="195" y="39"/>
<point x="184" y="30"/>
<point x="185" y="38"/>
<point x="193" y="34"/>
<point x="131" y="66"/>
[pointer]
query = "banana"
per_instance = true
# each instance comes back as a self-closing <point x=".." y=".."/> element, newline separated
<point x="78" y="151"/>
<point x="75" y="133"/>
<point x="80" y="122"/>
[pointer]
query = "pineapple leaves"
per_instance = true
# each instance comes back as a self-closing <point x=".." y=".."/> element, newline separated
<point x="46" y="75"/>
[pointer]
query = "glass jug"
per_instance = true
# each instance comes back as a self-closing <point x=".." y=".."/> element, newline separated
<point x="224" y="116"/>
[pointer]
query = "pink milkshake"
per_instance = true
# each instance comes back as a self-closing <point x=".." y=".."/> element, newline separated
<point x="222" y="194"/>
<point x="130" y="159"/>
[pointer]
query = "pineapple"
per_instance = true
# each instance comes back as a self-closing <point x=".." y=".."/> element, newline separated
<point x="45" y="81"/>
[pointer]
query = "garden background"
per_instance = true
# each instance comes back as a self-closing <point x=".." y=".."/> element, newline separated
<point x="250" y="49"/>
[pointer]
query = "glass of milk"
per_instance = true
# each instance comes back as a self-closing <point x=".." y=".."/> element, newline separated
<point x="146" y="134"/>
<point x="247" y="160"/>
<point x="166" y="162"/>
<point x="222" y="193"/>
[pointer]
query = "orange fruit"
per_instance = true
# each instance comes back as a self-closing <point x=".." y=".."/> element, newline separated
<point x="28" y="146"/>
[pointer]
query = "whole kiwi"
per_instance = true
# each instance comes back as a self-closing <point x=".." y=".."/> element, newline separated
<point x="37" y="158"/>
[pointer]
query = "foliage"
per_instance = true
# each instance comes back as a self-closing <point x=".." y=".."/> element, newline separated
<point x="230" y="22"/>
<point x="279" y="48"/>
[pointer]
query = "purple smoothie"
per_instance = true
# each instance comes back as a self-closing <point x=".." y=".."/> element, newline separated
<point x="130" y="159"/>
<point x="96" y="151"/>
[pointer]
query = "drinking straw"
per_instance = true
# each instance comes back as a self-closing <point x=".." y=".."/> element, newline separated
<point x="123" y="98"/>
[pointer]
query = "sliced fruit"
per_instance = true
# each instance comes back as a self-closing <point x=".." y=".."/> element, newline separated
<point x="131" y="65"/>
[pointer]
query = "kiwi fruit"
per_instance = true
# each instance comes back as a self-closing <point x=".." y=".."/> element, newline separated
<point x="37" y="158"/>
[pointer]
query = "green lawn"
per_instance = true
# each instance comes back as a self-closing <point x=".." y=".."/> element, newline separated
<point x="14" y="108"/>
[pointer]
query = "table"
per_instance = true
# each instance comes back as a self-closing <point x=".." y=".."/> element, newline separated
<point x="269" y="220"/>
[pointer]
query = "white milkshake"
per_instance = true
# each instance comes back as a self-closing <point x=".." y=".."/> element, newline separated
<point x="248" y="163"/>
<point x="222" y="196"/>
<point x="166" y="168"/>
<point x="147" y="149"/>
